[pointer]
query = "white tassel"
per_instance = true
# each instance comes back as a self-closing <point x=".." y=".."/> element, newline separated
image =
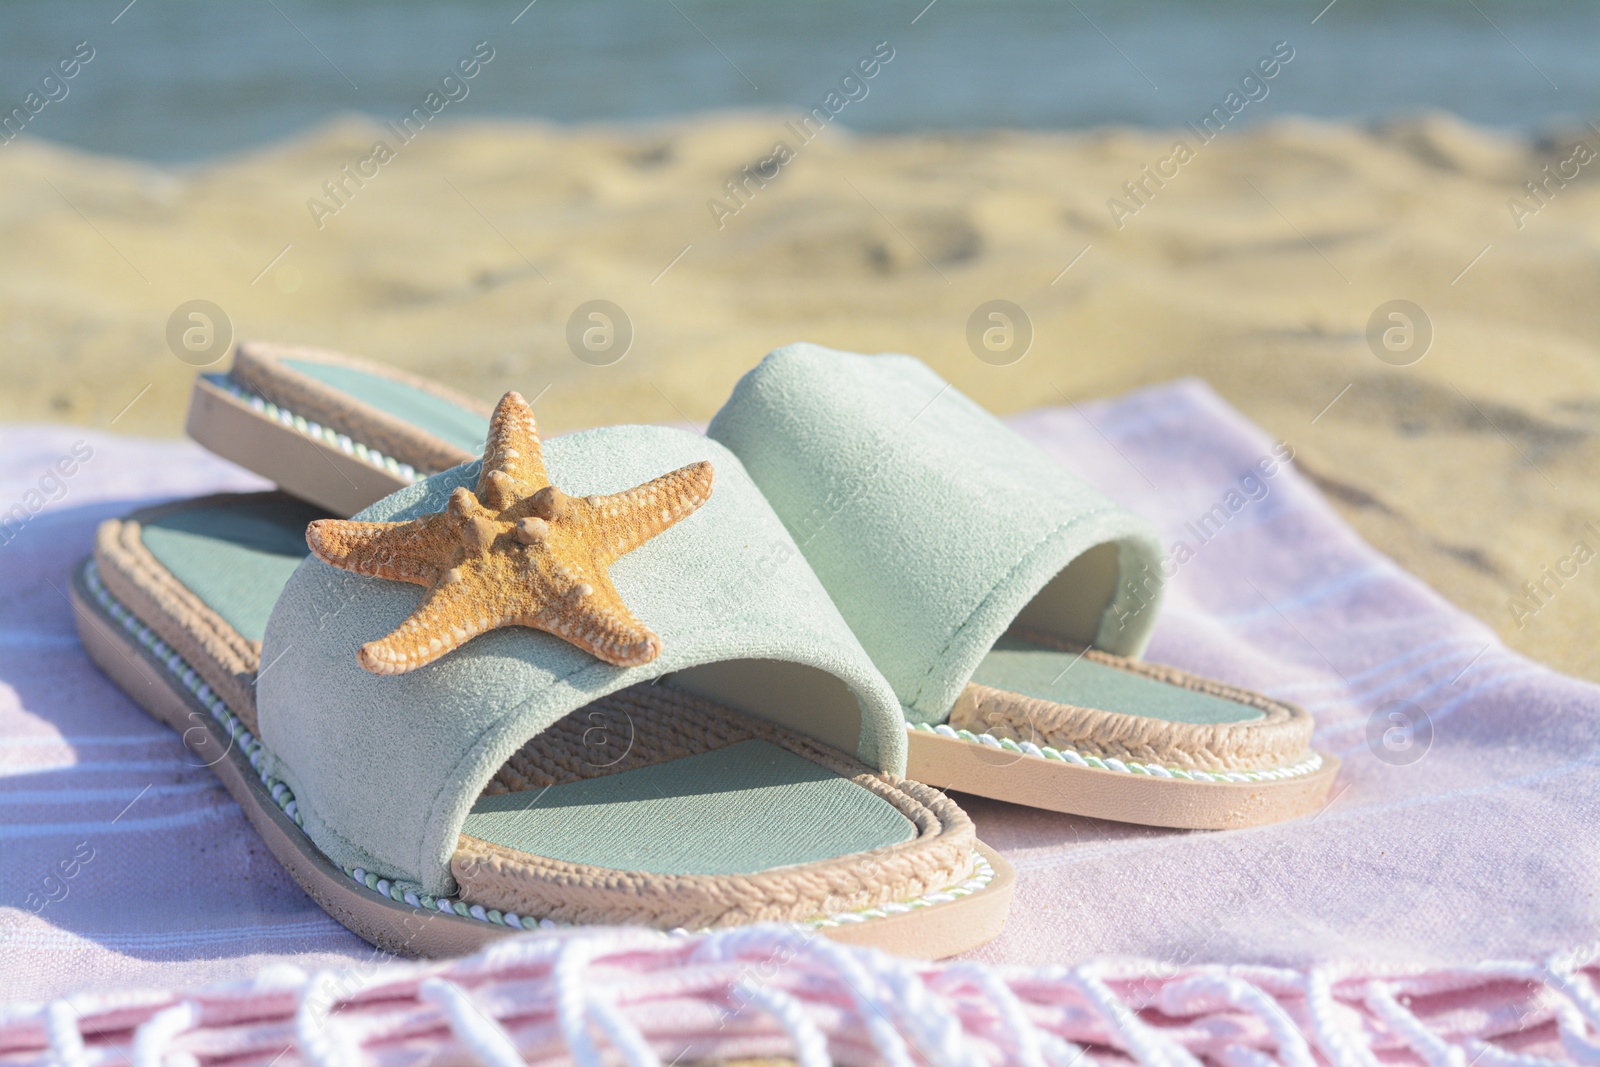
<point x="150" y="1041"/>
<point x="484" y="1037"/>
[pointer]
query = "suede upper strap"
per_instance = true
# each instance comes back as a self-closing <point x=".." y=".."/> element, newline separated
<point x="932" y="525"/>
<point x="385" y="768"/>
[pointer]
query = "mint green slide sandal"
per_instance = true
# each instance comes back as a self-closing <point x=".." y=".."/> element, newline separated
<point x="333" y="429"/>
<point x="1005" y="600"/>
<point x="748" y="766"/>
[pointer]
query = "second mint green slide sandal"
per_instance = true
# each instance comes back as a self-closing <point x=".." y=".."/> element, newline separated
<point x="1006" y="601"/>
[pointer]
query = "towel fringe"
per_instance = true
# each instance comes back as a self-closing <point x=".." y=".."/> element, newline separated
<point x="603" y="996"/>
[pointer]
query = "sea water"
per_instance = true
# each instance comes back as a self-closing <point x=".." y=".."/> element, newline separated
<point x="190" y="79"/>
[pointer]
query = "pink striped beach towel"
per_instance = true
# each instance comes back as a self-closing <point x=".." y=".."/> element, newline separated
<point x="1462" y="829"/>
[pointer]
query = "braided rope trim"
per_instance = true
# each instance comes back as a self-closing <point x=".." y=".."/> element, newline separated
<point x="316" y="431"/>
<point x="983" y="872"/>
<point x="180" y="669"/>
<point x="1306" y="766"/>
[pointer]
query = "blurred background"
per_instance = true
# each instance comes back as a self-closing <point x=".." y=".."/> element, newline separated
<point x="732" y="178"/>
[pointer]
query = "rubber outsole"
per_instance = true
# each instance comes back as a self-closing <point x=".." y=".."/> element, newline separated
<point x="308" y="467"/>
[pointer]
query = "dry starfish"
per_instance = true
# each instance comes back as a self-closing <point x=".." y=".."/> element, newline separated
<point x="518" y="552"/>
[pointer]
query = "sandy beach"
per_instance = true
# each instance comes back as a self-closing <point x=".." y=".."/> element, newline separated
<point x="1256" y="263"/>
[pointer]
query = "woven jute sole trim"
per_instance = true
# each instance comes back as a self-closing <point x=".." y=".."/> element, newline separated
<point x="258" y="367"/>
<point x="1309" y="765"/>
<point x="938" y="924"/>
<point x="226" y="660"/>
<point x="663" y="724"/>
<point x="1142" y="799"/>
<point x="1280" y="737"/>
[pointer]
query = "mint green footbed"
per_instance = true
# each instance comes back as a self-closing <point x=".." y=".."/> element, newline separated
<point x="741" y="809"/>
<point x="438" y="416"/>
<point x="1066" y="678"/>
<point x="744" y="808"/>
<point x="237" y="558"/>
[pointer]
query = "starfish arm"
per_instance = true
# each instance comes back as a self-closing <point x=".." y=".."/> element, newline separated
<point x="448" y="617"/>
<point x="628" y="519"/>
<point x="600" y="624"/>
<point x="401" y="551"/>
<point x="513" y="460"/>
